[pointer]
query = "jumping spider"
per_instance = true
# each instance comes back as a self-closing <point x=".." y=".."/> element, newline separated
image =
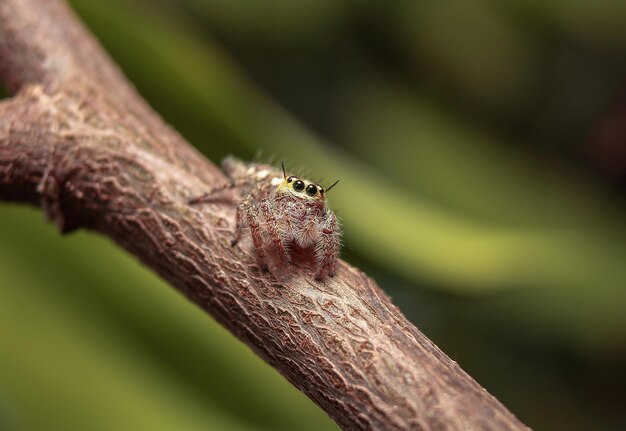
<point x="284" y="213"/>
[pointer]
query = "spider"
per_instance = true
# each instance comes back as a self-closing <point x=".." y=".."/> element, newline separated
<point x="285" y="215"/>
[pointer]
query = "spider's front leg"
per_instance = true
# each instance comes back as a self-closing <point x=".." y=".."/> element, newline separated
<point x="249" y="215"/>
<point x="210" y="195"/>
<point x="240" y="224"/>
<point x="327" y="247"/>
<point x="274" y="231"/>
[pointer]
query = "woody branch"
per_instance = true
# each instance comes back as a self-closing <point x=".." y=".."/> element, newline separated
<point x="79" y="142"/>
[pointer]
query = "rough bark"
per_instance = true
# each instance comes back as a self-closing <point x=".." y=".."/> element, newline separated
<point x="78" y="141"/>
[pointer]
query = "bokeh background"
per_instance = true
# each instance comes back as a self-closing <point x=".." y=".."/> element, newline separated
<point x="481" y="148"/>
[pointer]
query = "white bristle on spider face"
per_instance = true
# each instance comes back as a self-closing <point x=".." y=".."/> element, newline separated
<point x="285" y="215"/>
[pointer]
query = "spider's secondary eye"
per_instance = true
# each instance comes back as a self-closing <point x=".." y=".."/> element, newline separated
<point x="290" y="179"/>
<point x="298" y="185"/>
<point x="311" y="190"/>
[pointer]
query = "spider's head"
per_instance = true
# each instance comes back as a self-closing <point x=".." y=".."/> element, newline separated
<point x="301" y="188"/>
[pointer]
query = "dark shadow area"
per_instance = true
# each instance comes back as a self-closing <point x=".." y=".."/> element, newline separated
<point x="4" y="94"/>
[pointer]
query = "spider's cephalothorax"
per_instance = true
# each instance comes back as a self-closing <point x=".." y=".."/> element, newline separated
<point x="284" y="214"/>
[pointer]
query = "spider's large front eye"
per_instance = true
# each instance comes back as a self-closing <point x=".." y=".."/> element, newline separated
<point x="298" y="185"/>
<point x="311" y="190"/>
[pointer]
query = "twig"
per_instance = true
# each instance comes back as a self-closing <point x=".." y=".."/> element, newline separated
<point x="78" y="141"/>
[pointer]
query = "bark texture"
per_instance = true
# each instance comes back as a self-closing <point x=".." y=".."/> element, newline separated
<point x="77" y="140"/>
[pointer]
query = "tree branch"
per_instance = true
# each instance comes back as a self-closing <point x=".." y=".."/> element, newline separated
<point x="78" y="141"/>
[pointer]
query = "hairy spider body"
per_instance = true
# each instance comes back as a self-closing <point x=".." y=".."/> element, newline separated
<point x="284" y="215"/>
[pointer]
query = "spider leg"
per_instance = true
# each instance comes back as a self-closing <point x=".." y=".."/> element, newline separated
<point x="304" y="225"/>
<point x="327" y="248"/>
<point x="240" y="224"/>
<point x="208" y="196"/>
<point x="200" y="199"/>
<point x="250" y="216"/>
<point x="274" y="231"/>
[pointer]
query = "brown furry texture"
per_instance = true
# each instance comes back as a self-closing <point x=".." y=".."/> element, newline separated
<point x="286" y="216"/>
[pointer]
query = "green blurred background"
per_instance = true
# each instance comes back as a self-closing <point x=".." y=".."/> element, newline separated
<point x="481" y="148"/>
